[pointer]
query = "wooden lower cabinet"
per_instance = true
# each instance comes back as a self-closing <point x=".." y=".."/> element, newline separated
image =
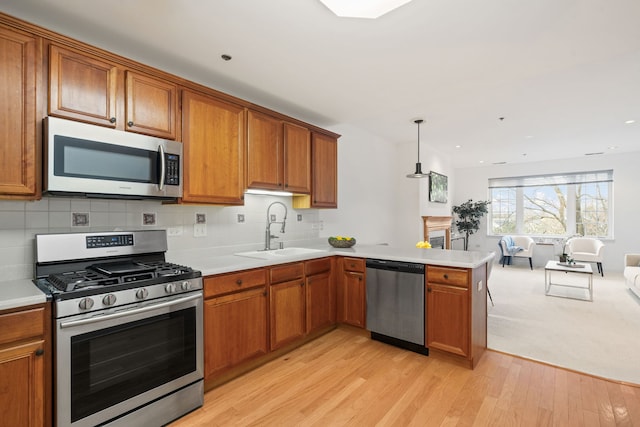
<point x="287" y="304"/>
<point x="25" y="367"/>
<point x="352" y="302"/>
<point x="456" y="316"/>
<point x="235" y="320"/>
<point x="320" y="294"/>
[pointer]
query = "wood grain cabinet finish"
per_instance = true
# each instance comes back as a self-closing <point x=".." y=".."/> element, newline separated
<point x="456" y="311"/>
<point x="20" y="135"/>
<point x="25" y="367"/>
<point x="287" y="304"/>
<point x="320" y="294"/>
<point x="213" y="134"/>
<point x="235" y="320"/>
<point x="324" y="174"/>
<point x="352" y="303"/>
<point x="278" y="154"/>
<point x="94" y="90"/>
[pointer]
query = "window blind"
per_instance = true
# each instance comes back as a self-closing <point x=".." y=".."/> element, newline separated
<point x="552" y="179"/>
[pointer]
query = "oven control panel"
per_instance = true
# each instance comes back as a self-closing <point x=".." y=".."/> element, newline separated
<point x="108" y="241"/>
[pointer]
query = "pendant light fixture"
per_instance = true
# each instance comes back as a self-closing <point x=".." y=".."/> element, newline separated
<point x="418" y="173"/>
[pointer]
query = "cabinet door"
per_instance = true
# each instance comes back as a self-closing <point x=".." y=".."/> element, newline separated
<point x="325" y="171"/>
<point x="297" y="159"/>
<point x="22" y="399"/>
<point x="448" y="318"/>
<point x="82" y="87"/>
<point x="152" y="106"/>
<point x="264" y="152"/>
<point x="19" y="172"/>
<point x="287" y="310"/>
<point x="235" y="330"/>
<point x="321" y="301"/>
<point x="214" y="153"/>
<point x="353" y="298"/>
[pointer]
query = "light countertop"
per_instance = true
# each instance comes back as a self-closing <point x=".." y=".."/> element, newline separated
<point x="217" y="264"/>
<point x="20" y="293"/>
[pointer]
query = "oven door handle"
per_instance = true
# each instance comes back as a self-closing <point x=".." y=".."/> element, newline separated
<point x="124" y="313"/>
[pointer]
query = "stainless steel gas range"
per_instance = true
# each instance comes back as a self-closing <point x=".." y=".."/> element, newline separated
<point x="127" y="328"/>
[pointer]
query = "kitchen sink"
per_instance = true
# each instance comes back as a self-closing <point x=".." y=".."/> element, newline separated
<point x="278" y="253"/>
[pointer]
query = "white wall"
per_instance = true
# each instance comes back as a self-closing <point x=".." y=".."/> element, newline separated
<point x="472" y="183"/>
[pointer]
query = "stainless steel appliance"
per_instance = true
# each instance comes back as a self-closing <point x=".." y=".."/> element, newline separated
<point x="93" y="161"/>
<point x="127" y="328"/>
<point x="396" y="303"/>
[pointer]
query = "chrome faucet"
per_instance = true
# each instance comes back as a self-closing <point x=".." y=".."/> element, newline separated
<point x="267" y="235"/>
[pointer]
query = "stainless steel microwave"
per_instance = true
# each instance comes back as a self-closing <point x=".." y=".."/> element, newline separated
<point x="93" y="161"/>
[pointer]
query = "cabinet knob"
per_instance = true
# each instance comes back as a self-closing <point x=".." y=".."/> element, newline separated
<point x="446" y="276"/>
<point x="239" y="282"/>
<point x="429" y="289"/>
<point x="112" y="119"/>
<point x="301" y="283"/>
<point x="130" y="123"/>
<point x="39" y="352"/>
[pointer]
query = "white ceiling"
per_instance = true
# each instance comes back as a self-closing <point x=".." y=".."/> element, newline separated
<point x="564" y="74"/>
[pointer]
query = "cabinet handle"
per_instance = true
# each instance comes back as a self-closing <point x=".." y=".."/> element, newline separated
<point x="239" y="282"/>
<point x="446" y="276"/>
<point x="112" y="119"/>
<point x="286" y="185"/>
<point x="39" y="352"/>
<point x="301" y="283"/>
<point x="130" y="123"/>
<point x="429" y="289"/>
<point x="264" y="294"/>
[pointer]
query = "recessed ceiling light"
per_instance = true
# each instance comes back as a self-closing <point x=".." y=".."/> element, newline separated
<point x="362" y="9"/>
<point x="529" y="136"/>
<point x="613" y="147"/>
<point x="628" y="122"/>
<point x="481" y="161"/>
<point x="458" y="146"/>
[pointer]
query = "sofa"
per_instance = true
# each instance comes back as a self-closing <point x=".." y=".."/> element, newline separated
<point x="632" y="272"/>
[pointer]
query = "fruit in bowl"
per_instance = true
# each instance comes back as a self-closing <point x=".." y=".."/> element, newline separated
<point x="342" y="241"/>
<point x="423" y="245"/>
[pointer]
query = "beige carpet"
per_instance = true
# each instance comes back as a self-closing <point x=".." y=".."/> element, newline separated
<point x="601" y="338"/>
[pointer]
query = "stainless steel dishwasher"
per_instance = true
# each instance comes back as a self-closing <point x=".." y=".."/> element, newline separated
<point x="396" y="304"/>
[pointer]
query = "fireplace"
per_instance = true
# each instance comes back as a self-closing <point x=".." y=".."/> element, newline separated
<point x="438" y="223"/>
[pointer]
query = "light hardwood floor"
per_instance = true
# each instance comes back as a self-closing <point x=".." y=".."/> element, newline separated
<point x="345" y="379"/>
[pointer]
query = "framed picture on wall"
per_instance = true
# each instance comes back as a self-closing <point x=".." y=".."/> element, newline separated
<point x="437" y="187"/>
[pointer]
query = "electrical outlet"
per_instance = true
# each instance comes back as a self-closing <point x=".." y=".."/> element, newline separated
<point x="299" y="217"/>
<point x="174" y="231"/>
<point x="240" y="217"/>
<point x="199" y="230"/>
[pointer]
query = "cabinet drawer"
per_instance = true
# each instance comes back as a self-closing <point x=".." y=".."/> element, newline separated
<point x="227" y="283"/>
<point x="287" y="272"/>
<point x="317" y="266"/>
<point x="21" y="325"/>
<point x="447" y="276"/>
<point x="354" y="264"/>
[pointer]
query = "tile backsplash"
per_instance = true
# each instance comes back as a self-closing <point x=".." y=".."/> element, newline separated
<point x="220" y="233"/>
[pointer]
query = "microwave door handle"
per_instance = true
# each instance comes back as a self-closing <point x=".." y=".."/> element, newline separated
<point x="162" y="168"/>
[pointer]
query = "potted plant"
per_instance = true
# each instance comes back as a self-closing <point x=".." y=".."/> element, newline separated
<point x="469" y="214"/>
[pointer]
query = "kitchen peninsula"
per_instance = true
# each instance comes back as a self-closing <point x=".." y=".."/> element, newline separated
<point x="257" y="309"/>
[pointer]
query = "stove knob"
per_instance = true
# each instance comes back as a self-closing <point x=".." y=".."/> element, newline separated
<point x="109" y="299"/>
<point x="142" y="293"/>
<point x="85" y="304"/>
<point x="170" y="288"/>
<point x="186" y="285"/>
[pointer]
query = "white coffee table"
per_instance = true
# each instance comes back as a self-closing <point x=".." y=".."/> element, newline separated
<point x="578" y="268"/>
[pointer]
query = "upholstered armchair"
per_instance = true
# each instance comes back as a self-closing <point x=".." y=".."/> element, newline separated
<point x="586" y="249"/>
<point x="517" y="247"/>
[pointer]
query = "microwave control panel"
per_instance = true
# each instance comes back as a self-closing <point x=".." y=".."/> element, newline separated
<point x="172" y="173"/>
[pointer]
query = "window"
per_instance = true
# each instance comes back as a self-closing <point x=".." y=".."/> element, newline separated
<point x="552" y="205"/>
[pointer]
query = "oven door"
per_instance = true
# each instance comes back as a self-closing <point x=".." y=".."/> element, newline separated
<point x="114" y="362"/>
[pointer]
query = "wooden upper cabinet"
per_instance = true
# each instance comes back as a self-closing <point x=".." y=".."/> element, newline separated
<point x="213" y="134"/>
<point x="19" y="135"/>
<point x="297" y="158"/>
<point x="152" y="106"/>
<point x="278" y="154"/>
<point x="94" y="90"/>
<point x="325" y="171"/>
<point x="265" y="152"/>
<point x="82" y="88"/>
